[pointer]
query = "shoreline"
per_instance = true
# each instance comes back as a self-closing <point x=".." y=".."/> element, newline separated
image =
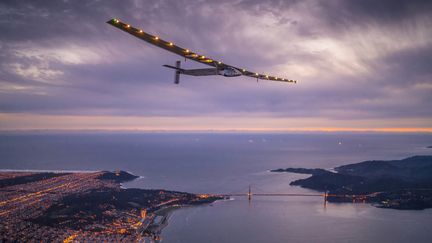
<point x="49" y="171"/>
<point x="92" y="206"/>
<point x="403" y="184"/>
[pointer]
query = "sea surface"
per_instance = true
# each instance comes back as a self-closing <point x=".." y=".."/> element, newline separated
<point x="230" y="163"/>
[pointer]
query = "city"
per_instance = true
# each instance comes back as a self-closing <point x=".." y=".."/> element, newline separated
<point x="86" y="206"/>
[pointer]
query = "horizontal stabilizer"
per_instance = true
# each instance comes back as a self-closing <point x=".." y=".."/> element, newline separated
<point x="176" y="68"/>
<point x="195" y="72"/>
<point x="201" y="72"/>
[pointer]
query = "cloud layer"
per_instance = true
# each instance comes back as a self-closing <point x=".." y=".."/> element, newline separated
<point x="359" y="62"/>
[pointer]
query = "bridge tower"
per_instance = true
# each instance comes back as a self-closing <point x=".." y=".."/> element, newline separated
<point x="250" y="193"/>
<point x="325" y="197"/>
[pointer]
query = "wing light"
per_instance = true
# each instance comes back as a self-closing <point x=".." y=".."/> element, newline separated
<point x="140" y="31"/>
<point x="170" y="44"/>
<point x="187" y="51"/>
<point x="128" y="26"/>
<point x="156" y="38"/>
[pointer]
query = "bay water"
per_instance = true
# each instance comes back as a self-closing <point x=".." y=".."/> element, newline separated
<point x="230" y="163"/>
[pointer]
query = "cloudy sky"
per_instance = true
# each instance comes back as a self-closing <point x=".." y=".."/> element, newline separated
<point x="362" y="65"/>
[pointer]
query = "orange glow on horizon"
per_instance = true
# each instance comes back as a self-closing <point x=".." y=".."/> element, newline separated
<point x="257" y="123"/>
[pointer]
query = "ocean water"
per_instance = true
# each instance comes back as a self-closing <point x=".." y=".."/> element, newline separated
<point x="229" y="163"/>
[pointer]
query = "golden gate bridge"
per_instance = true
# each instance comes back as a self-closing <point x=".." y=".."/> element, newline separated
<point x="249" y="194"/>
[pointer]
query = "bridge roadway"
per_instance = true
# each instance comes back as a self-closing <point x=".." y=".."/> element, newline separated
<point x="273" y="194"/>
<point x="281" y="194"/>
<point x="249" y="194"/>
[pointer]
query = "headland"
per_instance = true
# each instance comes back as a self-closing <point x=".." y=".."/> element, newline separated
<point x="396" y="184"/>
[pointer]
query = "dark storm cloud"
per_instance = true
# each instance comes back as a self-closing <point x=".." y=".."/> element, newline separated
<point x="382" y="10"/>
<point x="356" y="59"/>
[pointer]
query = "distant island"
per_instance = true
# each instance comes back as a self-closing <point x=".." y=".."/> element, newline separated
<point x="429" y="146"/>
<point x="84" y="207"/>
<point x="397" y="184"/>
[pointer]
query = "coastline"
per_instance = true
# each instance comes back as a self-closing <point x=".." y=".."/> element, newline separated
<point x="90" y="206"/>
<point x="49" y="171"/>
<point x="404" y="184"/>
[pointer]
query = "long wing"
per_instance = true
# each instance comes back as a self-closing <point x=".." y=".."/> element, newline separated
<point x="186" y="53"/>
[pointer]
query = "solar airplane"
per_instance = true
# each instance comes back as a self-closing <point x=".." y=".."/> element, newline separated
<point x="217" y="67"/>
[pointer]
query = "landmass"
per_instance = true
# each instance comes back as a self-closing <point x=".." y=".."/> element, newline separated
<point x="84" y="207"/>
<point x="429" y="147"/>
<point x="302" y="171"/>
<point x="396" y="184"/>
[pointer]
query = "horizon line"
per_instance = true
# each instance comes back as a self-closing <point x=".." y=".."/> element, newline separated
<point x="305" y="130"/>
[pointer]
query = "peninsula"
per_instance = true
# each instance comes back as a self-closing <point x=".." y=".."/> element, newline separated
<point x="397" y="184"/>
<point x="84" y="207"/>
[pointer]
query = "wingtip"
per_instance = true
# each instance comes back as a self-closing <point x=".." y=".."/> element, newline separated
<point x="113" y="21"/>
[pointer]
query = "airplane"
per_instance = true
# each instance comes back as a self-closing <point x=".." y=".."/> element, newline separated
<point x="218" y="68"/>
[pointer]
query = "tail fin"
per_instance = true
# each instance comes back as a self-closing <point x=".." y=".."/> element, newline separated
<point x="177" y="73"/>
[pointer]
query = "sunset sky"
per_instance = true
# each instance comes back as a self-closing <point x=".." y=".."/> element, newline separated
<point x="361" y="65"/>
